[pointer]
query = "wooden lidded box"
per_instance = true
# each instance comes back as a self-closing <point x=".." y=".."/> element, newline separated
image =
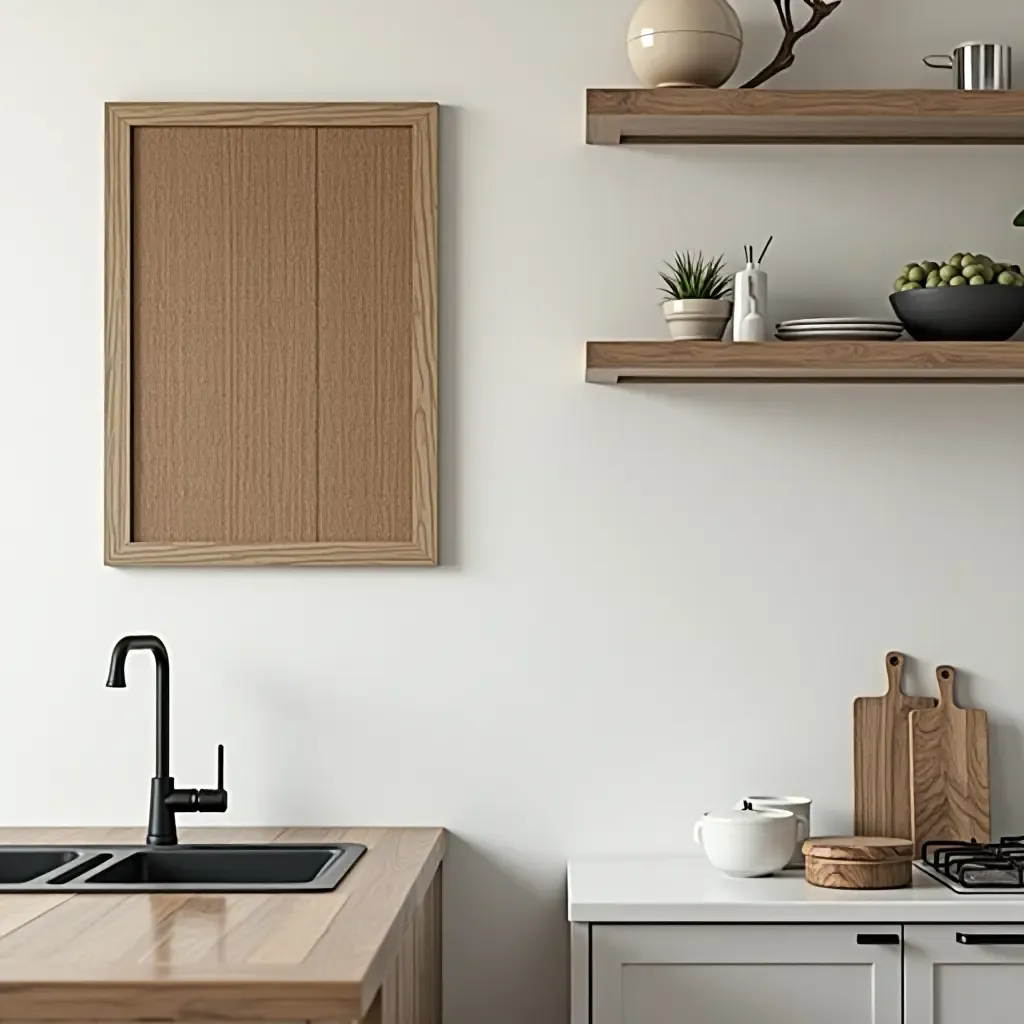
<point x="859" y="862"/>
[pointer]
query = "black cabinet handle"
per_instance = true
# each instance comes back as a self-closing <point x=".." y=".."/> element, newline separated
<point x="880" y="939"/>
<point x="989" y="940"/>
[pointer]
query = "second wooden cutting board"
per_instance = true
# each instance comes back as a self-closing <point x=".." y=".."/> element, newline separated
<point x="881" y="757"/>
<point x="949" y="770"/>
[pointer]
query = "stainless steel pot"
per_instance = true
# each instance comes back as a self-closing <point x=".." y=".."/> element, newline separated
<point x="976" y="65"/>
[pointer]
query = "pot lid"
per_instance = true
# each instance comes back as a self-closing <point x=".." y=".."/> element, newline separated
<point x="864" y="848"/>
<point x="746" y="815"/>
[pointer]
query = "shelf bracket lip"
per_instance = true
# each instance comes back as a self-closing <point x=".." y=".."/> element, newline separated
<point x="718" y="362"/>
<point x="889" y="117"/>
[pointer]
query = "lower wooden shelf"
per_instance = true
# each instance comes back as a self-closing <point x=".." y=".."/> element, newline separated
<point x="636" y="362"/>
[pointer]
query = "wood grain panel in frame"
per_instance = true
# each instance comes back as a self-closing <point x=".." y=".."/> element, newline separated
<point x="224" y="281"/>
<point x="403" y="533"/>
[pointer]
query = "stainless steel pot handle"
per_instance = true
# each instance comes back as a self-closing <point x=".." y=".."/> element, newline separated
<point x="938" y="56"/>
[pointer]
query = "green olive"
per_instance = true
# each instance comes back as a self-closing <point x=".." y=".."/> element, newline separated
<point x="948" y="272"/>
<point x="910" y="286"/>
<point x="957" y="281"/>
<point x="900" y="282"/>
<point x="916" y="275"/>
<point x="1006" y="277"/>
<point x="977" y="279"/>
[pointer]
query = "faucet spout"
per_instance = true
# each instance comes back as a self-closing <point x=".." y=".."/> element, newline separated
<point x="115" y="678"/>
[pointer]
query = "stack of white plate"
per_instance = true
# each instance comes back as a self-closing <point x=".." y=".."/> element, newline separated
<point x="842" y="328"/>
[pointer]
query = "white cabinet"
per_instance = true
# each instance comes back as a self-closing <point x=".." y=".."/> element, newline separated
<point x="962" y="973"/>
<point x="747" y="974"/>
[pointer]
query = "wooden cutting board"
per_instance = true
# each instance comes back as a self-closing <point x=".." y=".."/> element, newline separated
<point x="881" y="757"/>
<point x="949" y="769"/>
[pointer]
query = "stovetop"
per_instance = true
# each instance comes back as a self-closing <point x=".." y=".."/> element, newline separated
<point x="976" y="868"/>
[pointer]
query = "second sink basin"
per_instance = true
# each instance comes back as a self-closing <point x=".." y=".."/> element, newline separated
<point x="22" y="864"/>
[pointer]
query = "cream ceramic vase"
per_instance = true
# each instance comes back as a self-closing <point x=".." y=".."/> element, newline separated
<point x="684" y="42"/>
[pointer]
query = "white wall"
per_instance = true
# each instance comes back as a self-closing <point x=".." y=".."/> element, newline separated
<point x="653" y="600"/>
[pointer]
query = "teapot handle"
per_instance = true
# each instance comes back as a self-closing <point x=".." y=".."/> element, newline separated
<point x="938" y="56"/>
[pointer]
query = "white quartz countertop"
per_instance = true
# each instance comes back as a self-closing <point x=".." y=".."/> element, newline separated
<point x="662" y="890"/>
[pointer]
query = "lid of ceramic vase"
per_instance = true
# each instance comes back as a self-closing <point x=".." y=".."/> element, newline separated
<point x="653" y="16"/>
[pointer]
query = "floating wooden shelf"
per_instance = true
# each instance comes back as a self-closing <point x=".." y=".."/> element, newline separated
<point x="635" y="362"/>
<point x="856" y="116"/>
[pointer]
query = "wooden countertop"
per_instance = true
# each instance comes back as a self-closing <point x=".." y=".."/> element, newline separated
<point x="241" y="956"/>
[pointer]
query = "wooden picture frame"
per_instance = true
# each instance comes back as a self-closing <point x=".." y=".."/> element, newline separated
<point x="419" y="546"/>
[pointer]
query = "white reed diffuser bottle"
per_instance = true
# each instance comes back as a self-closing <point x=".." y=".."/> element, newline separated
<point x="751" y="297"/>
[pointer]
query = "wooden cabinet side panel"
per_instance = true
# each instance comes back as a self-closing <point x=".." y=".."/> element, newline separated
<point x="223" y="335"/>
<point x="411" y="993"/>
<point x="365" y="199"/>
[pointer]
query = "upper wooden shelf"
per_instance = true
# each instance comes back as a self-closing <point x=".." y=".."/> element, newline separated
<point x="762" y="116"/>
<point x="637" y="362"/>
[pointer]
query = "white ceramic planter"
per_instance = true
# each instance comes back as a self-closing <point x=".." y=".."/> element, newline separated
<point x="684" y="42"/>
<point x="697" y="319"/>
<point x="749" y="844"/>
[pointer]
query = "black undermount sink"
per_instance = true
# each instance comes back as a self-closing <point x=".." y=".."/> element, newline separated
<point x="278" y="867"/>
<point x="22" y="864"/>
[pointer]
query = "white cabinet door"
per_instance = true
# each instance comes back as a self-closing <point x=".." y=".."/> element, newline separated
<point x="746" y="974"/>
<point x="964" y="973"/>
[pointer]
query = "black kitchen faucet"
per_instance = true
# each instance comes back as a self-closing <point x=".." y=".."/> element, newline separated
<point x="165" y="801"/>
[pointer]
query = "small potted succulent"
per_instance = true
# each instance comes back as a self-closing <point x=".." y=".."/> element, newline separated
<point x="695" y="306"/>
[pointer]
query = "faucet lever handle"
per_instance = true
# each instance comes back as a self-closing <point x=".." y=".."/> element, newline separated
<point x="214" y="799"/>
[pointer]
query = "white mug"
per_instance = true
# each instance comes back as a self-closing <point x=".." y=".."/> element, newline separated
<point x="798" y="805"/>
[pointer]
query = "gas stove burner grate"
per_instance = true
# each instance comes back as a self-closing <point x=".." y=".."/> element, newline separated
<point x="974" y="865"/>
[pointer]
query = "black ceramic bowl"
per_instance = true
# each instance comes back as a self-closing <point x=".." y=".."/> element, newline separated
<point x="992" y="312"/>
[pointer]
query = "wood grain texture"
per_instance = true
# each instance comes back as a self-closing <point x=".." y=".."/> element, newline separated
<point x="756" y="116"/>
<point x="364" y="219"/>
<point x="858" y="874"/>
<point x="224" y="335"/>
<point x="239" y="957"/>
<point x="949" y="767"/>
<point x="881" y="756"/>
<point x="858" y="848"/>
<point x="117" y="461"/>
<point x="411" y="993"/>
<point x="411" y="390"/>
<point x="316" y="553"/>
<point x="243" y="115"/>
<point x="693" y="362"/>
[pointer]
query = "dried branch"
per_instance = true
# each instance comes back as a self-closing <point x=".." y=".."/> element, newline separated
<point x="820" y="10"/>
